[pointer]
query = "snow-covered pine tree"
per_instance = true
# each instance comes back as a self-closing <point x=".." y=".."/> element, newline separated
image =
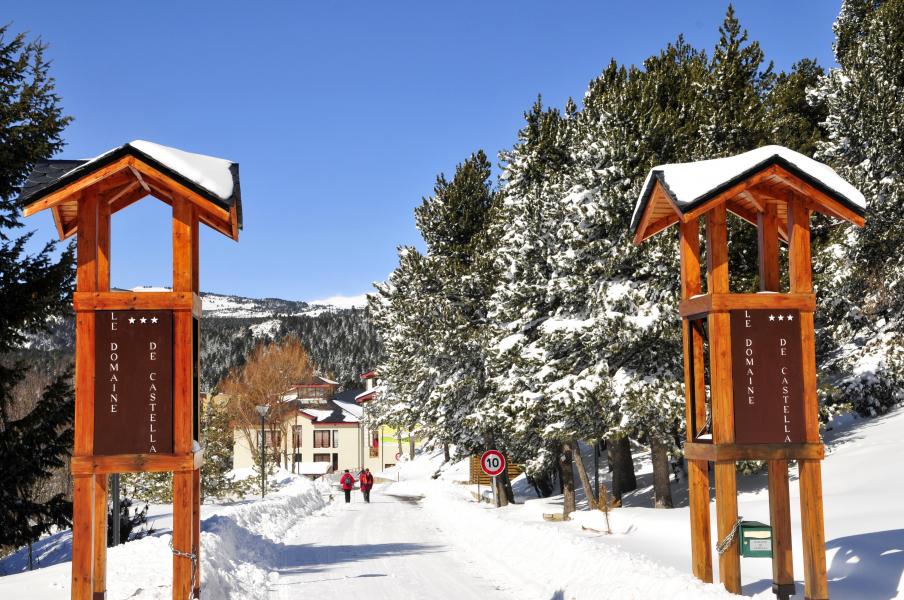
<point x="33" y="287"/>
<point x="431" y="315"/>
<point x="860" y="273"/>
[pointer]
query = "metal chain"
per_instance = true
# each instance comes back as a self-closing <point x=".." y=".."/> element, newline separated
<point x="194" y="563"/>
<point x="726" y="542"/>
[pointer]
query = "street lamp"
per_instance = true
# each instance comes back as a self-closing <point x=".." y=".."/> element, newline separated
<point x="262" y="411"/>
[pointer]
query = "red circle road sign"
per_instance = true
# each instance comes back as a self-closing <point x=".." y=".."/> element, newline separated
<point x="492" y="462"/>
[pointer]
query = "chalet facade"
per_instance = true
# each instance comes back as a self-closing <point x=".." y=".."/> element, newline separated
<point x="323" y="425"/>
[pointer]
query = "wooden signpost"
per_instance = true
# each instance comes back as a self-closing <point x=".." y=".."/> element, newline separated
<point x="137" y="395"/>
<point x="753" y="394"/>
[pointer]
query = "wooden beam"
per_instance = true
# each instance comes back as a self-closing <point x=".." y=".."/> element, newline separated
<point x="135" y="463"/>
<point x="65" y="193"/>
<point x="748" y="183"/>
<point x="767" y="246"/>
<point x="103" y="246"/>
<point x="707" y="303"/>
<point x="92" y="301"/>
<point x="819" y="200"/>
<point x="140" y="179"/>
<point x="748" y="196"/>
<point x="732" y="451"/>
<point x="175" y="188"/>
<point x="695" y="406"/>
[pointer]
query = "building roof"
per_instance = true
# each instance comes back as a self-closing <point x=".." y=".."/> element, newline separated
<point x="339" y="409"/>
<point x="680" y="191"/>
<point x="132" y="171"/>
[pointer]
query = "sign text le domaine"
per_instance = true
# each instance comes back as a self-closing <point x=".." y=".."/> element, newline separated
<point x="767" y="376"/>
<point x="133" y="397"/>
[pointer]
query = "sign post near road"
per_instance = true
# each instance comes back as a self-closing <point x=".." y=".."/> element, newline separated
<point x="137" y="395"/>
<point x="493" y="463"/>
<point x="750" y="358"/>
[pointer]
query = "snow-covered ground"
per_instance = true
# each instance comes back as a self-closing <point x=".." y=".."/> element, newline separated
<point x="428" y="538"/>
<point x="239" y="544"/>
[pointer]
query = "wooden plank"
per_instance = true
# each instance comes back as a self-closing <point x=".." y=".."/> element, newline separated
<point x="66" y="193"/>
<point x="694" y="368"/>
<point x="195" y="253"/>
<point x="799" y="260"/>
<point x="196" y="530"/>
<point x="707" y="303"/>
<point x="767" y="238"/>
<point x="716" y="251"/>
<point x="813" y="532"/>
<point x="817" y="199"/>
<point x="720" y="200"/>
<point x="660" y="224"/>
<point x="725" y="452"/>
<point x="140" y="179"/>
<point x="103" y="246"/>
<point x="134" y="463"/>
<point x="726" y="517"/>
<point x="92" y="301"/>
<point x="182" y="534"/>
<point x="100" y="535"/>
<point x="701" y="538"/>
<point x="86" y="274"/>
<point x="780" y="519"/>
<point x="82" y="538"/>
<point x="175" y="188"/>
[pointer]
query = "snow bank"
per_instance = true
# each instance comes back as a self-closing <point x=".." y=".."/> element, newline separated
<point x="240" y="548"/>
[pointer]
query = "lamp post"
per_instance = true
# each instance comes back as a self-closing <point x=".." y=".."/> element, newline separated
<point x="262" y="411"/>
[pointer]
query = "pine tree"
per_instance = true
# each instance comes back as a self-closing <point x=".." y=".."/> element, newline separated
<point x="216" y="480"/>
<point x="864" y="269"/>
<point x="33" y="287"/>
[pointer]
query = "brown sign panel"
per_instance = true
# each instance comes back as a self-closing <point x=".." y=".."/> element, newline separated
<point x="767" y="367"/>
<point x="133" y="394"/>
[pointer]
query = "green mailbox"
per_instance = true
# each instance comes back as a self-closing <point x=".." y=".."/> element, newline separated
<point x="756" y="539"/>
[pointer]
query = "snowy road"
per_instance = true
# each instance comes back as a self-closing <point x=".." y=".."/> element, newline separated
<point x="387" y="549"/>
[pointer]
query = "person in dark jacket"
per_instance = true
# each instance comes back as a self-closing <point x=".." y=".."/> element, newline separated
<point x="367" y="482"/>
<point x="347" y="481"/>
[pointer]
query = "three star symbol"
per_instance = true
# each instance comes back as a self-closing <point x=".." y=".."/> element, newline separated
<point x="782" y="317"/>
<point x="142" y="320"/>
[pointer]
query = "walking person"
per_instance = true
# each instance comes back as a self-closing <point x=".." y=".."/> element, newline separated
<point x="347" y="481"/>
<point x="367" y="482"/>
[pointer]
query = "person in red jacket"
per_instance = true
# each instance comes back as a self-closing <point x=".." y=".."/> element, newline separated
<point x="367" y="482"/>
<point x="347" y="481"/>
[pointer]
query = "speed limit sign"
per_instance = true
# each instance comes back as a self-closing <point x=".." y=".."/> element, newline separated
<point x="492" y="462"/>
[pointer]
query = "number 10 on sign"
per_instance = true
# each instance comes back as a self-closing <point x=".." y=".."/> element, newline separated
<point x="493" y="463"/>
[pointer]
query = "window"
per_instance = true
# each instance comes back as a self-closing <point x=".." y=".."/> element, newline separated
<point x="297" y="436"/>
<point x="322" y="439"/>
<point x="335" y="438"/>
<point x="322" y="458"/>
<point x="272" y="439"/>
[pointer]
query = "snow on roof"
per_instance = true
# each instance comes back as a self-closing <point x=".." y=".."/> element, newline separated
<point x="354" y="411"/>
<point x="211" y="173"/>
<point x="317" y="414"/>
<point x="329" y="381"/>
<point x="691" y="183"/>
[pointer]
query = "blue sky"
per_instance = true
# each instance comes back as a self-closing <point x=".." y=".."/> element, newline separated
<point x="342" y="114"/>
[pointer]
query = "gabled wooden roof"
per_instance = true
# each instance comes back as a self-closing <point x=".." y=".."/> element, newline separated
<point x="126" y="174"/>
<point x="745" y="183"/>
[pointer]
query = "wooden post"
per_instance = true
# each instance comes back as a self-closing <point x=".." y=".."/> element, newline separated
<point x="196" y="402"/>
<point x="721" y="393"/>
<point x="183" y="481"/>
<point x="695" y="407"/>
<point x="812" y="522"/>
<point x="779" y="496"/>
<point x="83" y="486"/>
